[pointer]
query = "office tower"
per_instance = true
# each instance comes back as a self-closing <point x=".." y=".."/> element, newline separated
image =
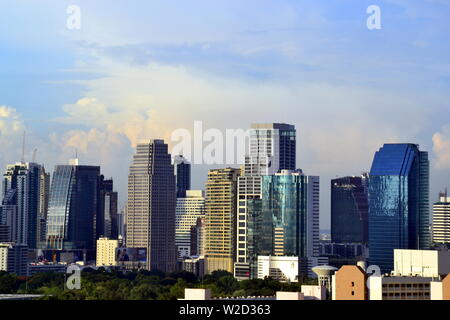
<point x="398" y="202"/>
<point x="72" y="207"/>
<point x="285" y="221"/>
<point x="4" y="233"/>
<point x="9" y="216"/>
<point x="441" y="219"/>
<point x="272" y="147"/>
<point x="198" y="237"/>
<point x="106" y="219"/>
<point x="221" y="196"/>
<point x="121" y="223"/>
<point x="44" y="196"/>
<point x="150" y="214"/>
<point x="106" y="252"/>
<point x="349" y="210"/>
<point x="183" y="175"/>
<point x="188" y="210"/>
<point x="14" y="258"/>
<point x="25" y="179"/>
<point x="313" y="216"/>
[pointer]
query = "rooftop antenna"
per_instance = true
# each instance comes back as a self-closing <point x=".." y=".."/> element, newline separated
<point x="23" y="147"/>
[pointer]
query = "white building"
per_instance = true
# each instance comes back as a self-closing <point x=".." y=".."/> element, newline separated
<point x="441" y="219"/>
<point x="188" y="210"/>
<point x="313" y="211"/>
<point x="106" y="252"/>
<point x="424" y="263"/>
<point x="281" y="268"/>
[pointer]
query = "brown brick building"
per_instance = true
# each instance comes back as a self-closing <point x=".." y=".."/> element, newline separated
<point x="350" y="283"/>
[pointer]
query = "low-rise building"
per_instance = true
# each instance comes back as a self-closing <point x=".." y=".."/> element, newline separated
<point x="14" y="258"/>
<point x="423" y="263"/>
<point x="106" y="252"/>
<point x="281" y="268"/>
<point x="196" y="265"/>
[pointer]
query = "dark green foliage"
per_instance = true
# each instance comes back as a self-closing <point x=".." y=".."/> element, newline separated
<point x="141" y="285"/>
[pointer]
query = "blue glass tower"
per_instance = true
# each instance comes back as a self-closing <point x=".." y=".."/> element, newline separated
<point x="398" y="202"/>
<point x="72" y="207"/>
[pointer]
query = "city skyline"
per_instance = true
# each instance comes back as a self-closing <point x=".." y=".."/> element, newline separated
<point x="121" y="78"/>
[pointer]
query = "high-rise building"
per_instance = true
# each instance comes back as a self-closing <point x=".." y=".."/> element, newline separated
<point x="221" y="196"/>
<point x="150" y="215"/>
<point x="441" y="219"/>
<point x="349" y="210"/>
<point x="198" y="237"/>
<point x="272" y="147"/>
<point x="9" y="216"/>
<point x="285" y="221"/>
<point x="14" y="258"/>
<point x="44" y="196"/>
<point x="72" y="207"/>
<point x="183" y="175"/>
<point x="189" y="209"/>
<point x="106" y="252"/>
<point x="398" y="202"/>
<point x="25" y="179"/>
<point x="106" y="219"/>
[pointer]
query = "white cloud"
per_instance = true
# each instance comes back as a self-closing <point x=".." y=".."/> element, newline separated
<point x="10" y="121"/>
<point x="441" y="148"/>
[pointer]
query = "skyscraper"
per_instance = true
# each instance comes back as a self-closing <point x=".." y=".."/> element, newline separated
<point x="72" y="207"/>
<point x="106" y="219"/>
<point x="198" y="238"/>
<point x="272" y="147"/>
<point x="25" y="179"/>
<point x="349" y="210"/>
<point x="183" y="175"/>
<point x="150" y="215"/>
<point x="441" y="219"/>
<point x="221" y="193"/>
<point x="398" y="202"/>
<point x="188" y="210"/>
<point x="44" y="197"/>
<point x="285" y="221"/>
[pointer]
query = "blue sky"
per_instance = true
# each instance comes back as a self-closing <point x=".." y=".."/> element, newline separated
<point x="141" y="69"/>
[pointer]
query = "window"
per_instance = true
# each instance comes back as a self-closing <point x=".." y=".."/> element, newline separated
<point x="353" y="284"/>
<point x="353" y="293"/>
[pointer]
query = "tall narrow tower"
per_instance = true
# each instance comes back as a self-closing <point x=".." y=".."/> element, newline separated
<point x="151" y="205"/>
<point x="272" y="148"/>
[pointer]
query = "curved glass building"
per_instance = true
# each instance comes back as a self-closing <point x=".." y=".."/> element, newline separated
<point x="72" y="207"/>
<point x="398" y="202"/>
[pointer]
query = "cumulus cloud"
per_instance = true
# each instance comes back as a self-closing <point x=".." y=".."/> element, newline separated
<point x="441" y="148"/>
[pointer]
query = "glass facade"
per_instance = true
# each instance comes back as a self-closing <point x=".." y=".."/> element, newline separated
<point x="24" y="178"/>
<point x="183" y="175"/>
<point x="349" y="210"/>
<point x="398" y="202"/>
<point x="72" y="207"/>
<point x="277" y="223"/>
